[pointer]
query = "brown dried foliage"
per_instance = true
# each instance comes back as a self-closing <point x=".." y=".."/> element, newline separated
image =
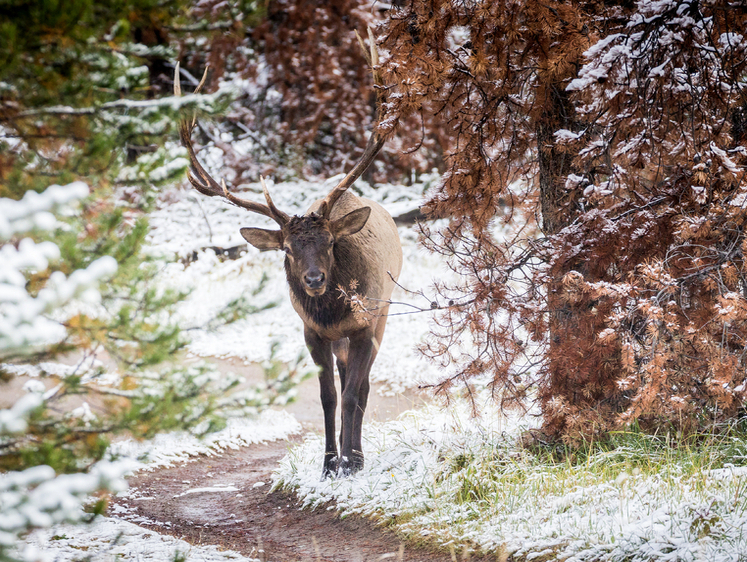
<point x="487" y="92"/>
<point x="631" y="308"/>
<point x="311" y="106"/>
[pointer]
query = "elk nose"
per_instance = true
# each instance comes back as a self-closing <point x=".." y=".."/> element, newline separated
<point x="314" y="280"/>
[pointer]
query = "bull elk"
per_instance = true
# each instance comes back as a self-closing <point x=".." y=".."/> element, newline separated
<point x="342" y="241"/>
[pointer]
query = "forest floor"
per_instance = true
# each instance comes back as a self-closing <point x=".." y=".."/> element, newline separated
<point x="225" y="500"/>
<point x="252" y="521"/>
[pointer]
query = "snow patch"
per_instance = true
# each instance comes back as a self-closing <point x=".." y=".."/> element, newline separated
<point x="167" y="449"/>
<point x="113" y="539"/>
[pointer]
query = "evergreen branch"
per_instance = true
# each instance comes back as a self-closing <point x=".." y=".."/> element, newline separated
<point x="170" y="102"/>
<point x="202" y="26"/>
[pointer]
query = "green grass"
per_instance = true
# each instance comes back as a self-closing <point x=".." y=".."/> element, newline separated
<point x="448" y="481"/>
<point x="499" y="472"/>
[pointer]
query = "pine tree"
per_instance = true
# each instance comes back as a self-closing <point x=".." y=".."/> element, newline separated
<point x="621" y="127"/>
<point x="85" y="105"/>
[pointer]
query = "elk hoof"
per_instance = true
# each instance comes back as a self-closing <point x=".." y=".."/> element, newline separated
<point x="348" y="467"/>
<point x="330" y="468"/>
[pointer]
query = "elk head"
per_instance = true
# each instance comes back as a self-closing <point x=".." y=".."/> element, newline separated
<point x="308" y="242"/>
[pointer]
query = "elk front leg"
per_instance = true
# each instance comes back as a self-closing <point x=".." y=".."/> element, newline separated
<point x="321" y="353"/>
<point x="340" y="349"/>
<point x="358" y="420"/>
<point x="356" y="380"/>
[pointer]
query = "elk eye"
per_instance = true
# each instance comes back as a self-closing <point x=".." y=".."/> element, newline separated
<point x="287" y="250"/>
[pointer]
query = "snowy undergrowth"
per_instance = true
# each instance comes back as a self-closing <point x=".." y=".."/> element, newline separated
<point x="189" y="225"/>
<point x="443" y="477"/>
<point x="111" y="539"/>
<point x="167" y="449"/>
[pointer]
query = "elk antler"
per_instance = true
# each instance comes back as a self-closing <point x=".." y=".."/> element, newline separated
<point x="205" y="184"/>
<point x="375" y="141"/>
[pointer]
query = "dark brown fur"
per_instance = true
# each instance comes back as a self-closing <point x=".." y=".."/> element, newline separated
<point x="331" y="308"/>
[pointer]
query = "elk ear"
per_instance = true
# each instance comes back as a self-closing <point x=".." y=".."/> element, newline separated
<point x="351" y="223"/>
<point x="263" y="239"/>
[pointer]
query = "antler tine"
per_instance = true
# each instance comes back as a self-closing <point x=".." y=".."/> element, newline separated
<point x="202" y="181"/>
<point x="197" y="90"/>
<point x="375" y="141"/>
<point x="277" y="212"/>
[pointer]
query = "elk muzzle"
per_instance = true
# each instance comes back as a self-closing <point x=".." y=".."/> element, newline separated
<point x="315" y="282"/>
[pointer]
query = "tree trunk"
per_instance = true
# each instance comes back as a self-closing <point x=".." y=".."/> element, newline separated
<point x="557" y="206"/>
<point x="571" y="384"/>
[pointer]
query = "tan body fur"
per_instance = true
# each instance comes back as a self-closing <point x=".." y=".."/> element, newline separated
<point x="379" y="240"/>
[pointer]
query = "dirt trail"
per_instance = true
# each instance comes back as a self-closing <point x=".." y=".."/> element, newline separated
<point x="243" y="516"/>
<point x="250" y="520"/>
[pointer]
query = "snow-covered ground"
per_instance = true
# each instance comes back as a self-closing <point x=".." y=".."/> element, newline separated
<point x="110" y="540"/>
<point x="168" y="449"/>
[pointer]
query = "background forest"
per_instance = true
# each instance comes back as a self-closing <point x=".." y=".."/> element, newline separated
<point x="591" y="201"/>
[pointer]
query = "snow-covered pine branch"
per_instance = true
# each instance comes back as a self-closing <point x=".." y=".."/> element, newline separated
<point x="37" y="498"/>
<point x="25" y="322"/>
<point x="201" y="102"/>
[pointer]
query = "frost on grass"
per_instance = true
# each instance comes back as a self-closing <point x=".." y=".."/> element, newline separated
<point x="189" y="225"/>
<point x="454" y="480"/>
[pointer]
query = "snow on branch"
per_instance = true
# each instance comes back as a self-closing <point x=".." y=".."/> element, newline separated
<point x="203" y="102"/>
<point x="37" y="497"/>
<point x="35" y="209"/>
<point x="24" y="318"/>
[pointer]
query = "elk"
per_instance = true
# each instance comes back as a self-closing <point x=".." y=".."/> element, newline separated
<point x="342" y="241"/>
